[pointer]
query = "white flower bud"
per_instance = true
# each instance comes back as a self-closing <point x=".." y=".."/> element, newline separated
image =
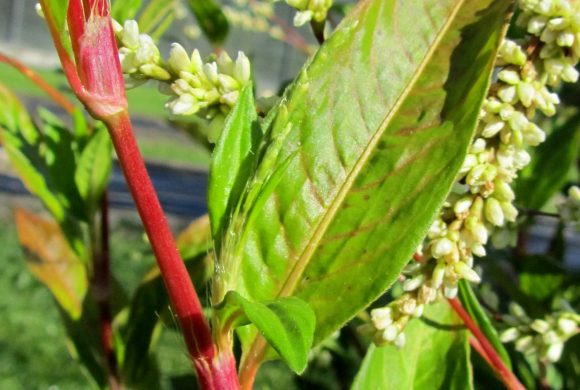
<point x="554" y="352"/>
<point x="525" y="344"/>
<point x="450" y="292"/>
<point x="242" y="68"/>
<point x="509" y="211"/>
<point x="508" y="94"/>
<point x="509" y="76"/>
<point x="382" y="317"/>
<point x="225" y="63"/>
<point x="400" y="340"/>
<point x="438" y="274"/>
<point x="441" y="247"/>
<point x="228" y="83"/>
<point x="211" y="71"/>
<point x="418" y="311"/>
<point x="390" y="333"/>
<point x="183" y="105"/>
<point x="414" y="283"/>
<point x="492" y="128"/>
<point x="540" y="326"/>
<point x="302" y="17"/>
<point x="197" y="62"/>
<point x="462" y="206"/>
<point x="179" y="59"/>
<point x="478" y="250"/>
<point x="533" y="135"/>
<point x="526" y="93"/>
<point x="493" y="212"/>
<point x="567" y="326"/>
<point x="570" y="74"/>
<point x="230" y="98"/>
<point x="565" y="39"/>
<point x="466" y="272"/>
<point x="503" y="191"/>
<point x="518" y="312"/>
<point x="536" y="24"/>
<point x="130" y="37"/>
<point x="509" y="335"/>
<point x="155" y="71"/>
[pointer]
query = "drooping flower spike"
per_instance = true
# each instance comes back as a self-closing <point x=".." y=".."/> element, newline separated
<point x="93" y="68"/>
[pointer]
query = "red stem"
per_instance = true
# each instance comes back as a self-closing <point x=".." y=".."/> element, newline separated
<point x="215" y="370"/>
<point x="58" y="97"/>
<point x="504" y="373"/>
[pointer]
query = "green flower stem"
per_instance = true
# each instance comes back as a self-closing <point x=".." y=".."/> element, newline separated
<point x="490" y="355"/>
<point x="54" y="94"/>
<point x="215" y="369"/>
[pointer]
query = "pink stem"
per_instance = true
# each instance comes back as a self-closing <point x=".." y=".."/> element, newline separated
<point x="503" y="372"/>
<point x="215" y="370"/>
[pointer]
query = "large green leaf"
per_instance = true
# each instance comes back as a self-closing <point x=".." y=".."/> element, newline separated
<point x="373" y="132"/>
<point x="435" y="356"/>
<point x="232" y="162"/>
<point x="476" y="312"/>
<point x="287" y="323"/>
<point x="549" y="169"/>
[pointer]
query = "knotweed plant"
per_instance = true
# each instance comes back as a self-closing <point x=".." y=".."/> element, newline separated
<point x="423" y="130"/>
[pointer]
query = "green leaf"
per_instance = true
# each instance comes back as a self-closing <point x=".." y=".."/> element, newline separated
<point x="55" y="13"/>
<point x="435" y="356"/>
<point x="379" y="123"/>
<point x="94" y="168"/>
<point x="122" y="10"/>
<point x="550" y="166"/>
<point x="59" y="151"/>
<point x="286" y="323"/>
<point x="211" y="19"/>
<point x="476" y="312"/>
<point x="232" y="163"/>
<point x="42" y="162"/>
<point x="195" y="240"/>
<point x="50" y="259"/>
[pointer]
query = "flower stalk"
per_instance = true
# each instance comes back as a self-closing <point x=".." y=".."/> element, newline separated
<point x="95" y="75"/>
<point x="489" y="353"/>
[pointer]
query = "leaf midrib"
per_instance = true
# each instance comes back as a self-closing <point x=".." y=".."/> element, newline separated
<point x="302" y="262"/>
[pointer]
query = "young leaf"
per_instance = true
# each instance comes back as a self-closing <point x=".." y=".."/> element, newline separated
<point x="50" y="259"/>
<point x="94" y="168"/>
<point x="472" y="306"/>
<point x="211" y="19"/>
<point x="286" y="323"/>
<point x="380" y="121"/>
<point x="435" y="356"/>
<point x="232" y="162"/>
<point x="549" y="169"/>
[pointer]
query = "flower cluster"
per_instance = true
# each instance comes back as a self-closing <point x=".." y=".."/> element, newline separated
<point x="570" y="209"/>
<point x="481" y="202"/>
<point x="544" y="338"/>
<point x="253" y="16"/>
<point x="309" y="10"/>
<point x="195" y="85"/>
